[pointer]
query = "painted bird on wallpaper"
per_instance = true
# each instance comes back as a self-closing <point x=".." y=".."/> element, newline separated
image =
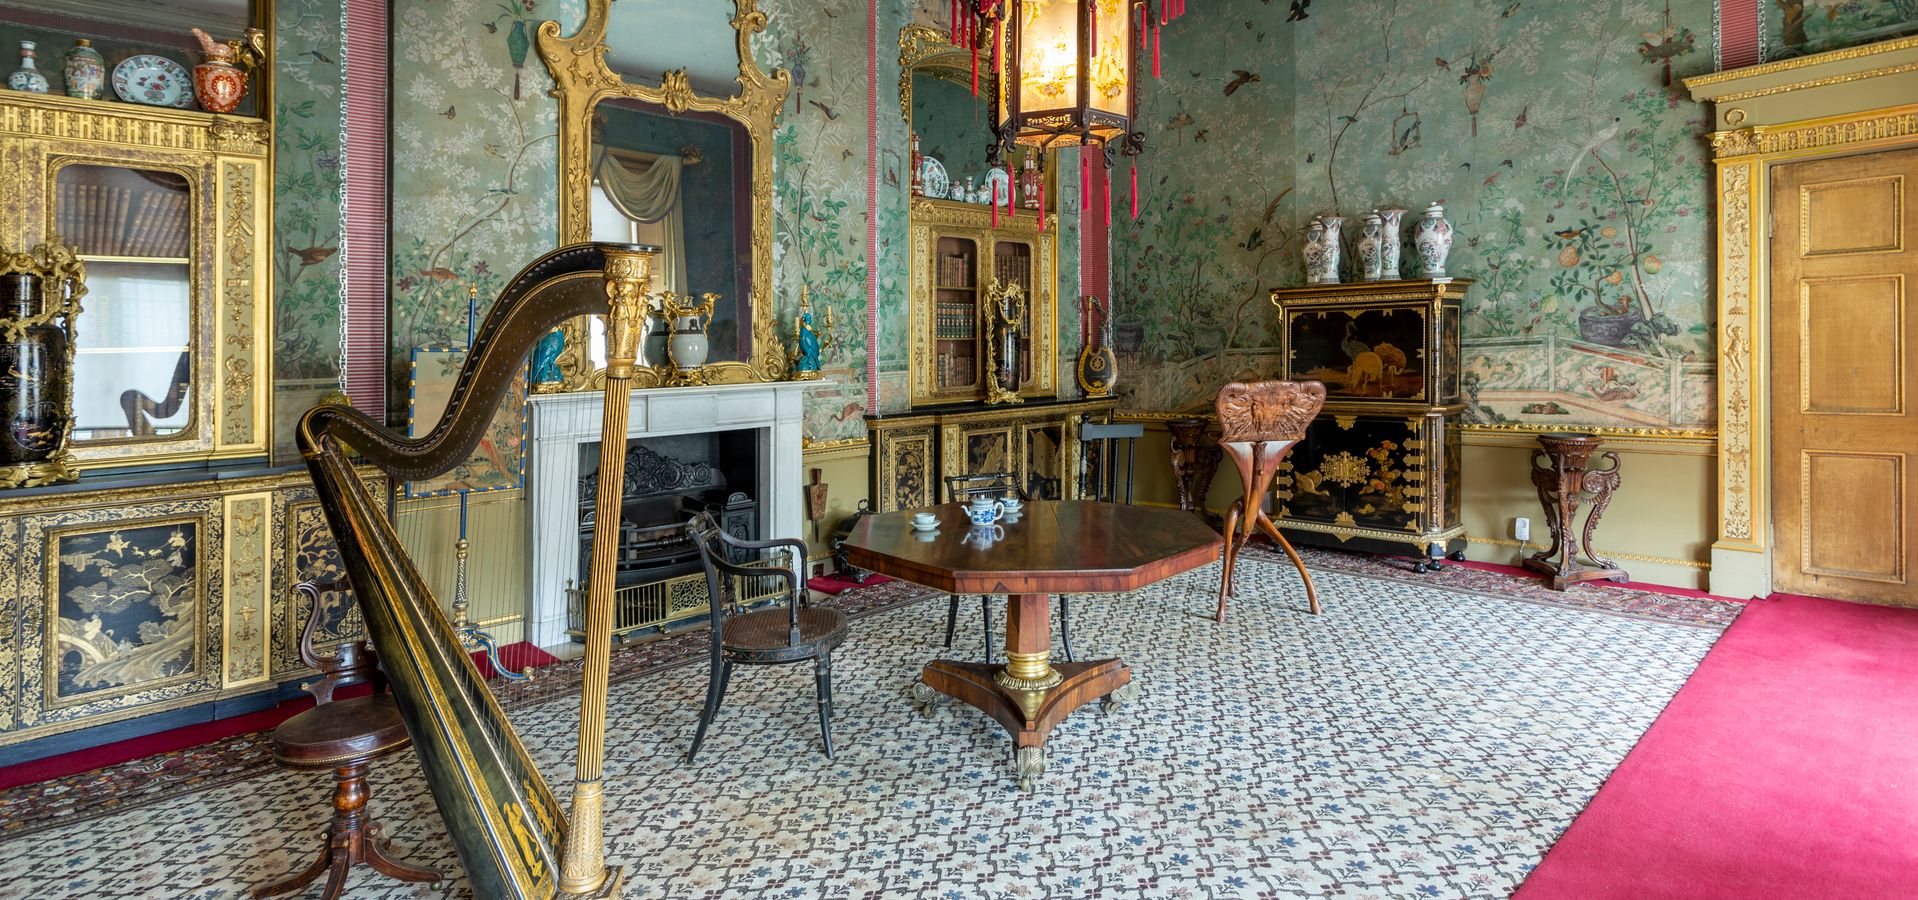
<point x="1179" y="123"/>
<point x="1297" y="13"/>
<point x="1598" y="140"/>
<point x="1661" y="47"/>
<point x="1240" y="78"/>
<point x="312" y="256"/>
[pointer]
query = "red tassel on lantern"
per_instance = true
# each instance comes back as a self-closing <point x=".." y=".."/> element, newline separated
<point x="1092" y="7"/>
<point x="1085" y="181"/>
<point x="1042" y="204"/>
<point x="1106" y="190"/>
<point x="1155" y="51"/>
<point x="1164" y="14"/>
<point x="1142" y="13"/>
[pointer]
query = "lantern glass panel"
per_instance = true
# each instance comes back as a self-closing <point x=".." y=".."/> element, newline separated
<point x="1048" y="54"/>
<point x="1112" y="58"/>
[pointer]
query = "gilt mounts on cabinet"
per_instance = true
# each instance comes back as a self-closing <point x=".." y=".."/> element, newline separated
<point x="584" y="79"/>
<point x="1379" y="467"/>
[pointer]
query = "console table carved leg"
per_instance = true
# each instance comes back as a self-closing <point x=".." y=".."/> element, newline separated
<point x="1560" y="471"/>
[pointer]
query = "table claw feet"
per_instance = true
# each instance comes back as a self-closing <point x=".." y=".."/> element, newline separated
<point x="1120" y="696"/>
<point x="923" y="697"/>
<point x="1030" y="764"/>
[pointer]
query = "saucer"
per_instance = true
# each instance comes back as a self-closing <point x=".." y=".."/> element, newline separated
<point x="929" y="526"/>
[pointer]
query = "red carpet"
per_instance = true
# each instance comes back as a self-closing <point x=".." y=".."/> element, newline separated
<point x="515" y="656"/>
<point x="1786" y="767"/>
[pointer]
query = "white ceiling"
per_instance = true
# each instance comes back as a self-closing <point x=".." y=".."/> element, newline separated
<point x="645" y="38"/>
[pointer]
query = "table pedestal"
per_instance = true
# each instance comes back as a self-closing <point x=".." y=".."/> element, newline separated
<point x="1194" y="462"/>
<point x="1028" y="695"/>
<point x="1562" y="482"/>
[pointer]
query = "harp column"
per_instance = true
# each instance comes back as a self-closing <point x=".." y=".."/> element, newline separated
<point x="583" y="869"/>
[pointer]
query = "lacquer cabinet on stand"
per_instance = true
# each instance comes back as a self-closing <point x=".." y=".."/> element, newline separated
<point x="1379" y="467"/>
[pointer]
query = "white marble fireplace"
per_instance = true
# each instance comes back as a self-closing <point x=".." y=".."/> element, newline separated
<point x="767" y="413"/>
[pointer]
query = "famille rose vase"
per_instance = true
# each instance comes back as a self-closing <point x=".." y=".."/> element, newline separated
<point x="1392" y="235"/>
<point x="217" y="83"/>
<point x="1334" y="249"/>
<point x="1371" y="246"/>
<point x="1433" y="238"/>
<point x="85" y="71"/>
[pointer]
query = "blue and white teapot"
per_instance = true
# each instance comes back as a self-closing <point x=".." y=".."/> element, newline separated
<point x="984" y="510"/>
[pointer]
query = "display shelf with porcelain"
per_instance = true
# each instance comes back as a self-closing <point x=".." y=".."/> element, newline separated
<point x="136" y="52"/>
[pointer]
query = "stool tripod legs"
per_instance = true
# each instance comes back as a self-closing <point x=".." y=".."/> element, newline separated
<point x="351" y="838"/>
<point x="1235" y="541"/>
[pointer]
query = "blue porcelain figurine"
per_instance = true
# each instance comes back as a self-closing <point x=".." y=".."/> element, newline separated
<point x="807" y="341"/>
<point x="546" y="358"/>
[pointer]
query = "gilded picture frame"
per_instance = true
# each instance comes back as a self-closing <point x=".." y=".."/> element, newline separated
<point x="582" y="79"/>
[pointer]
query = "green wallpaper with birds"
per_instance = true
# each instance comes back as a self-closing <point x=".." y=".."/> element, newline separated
<point x="1556" y="133"/>
<point x="1798" y="27"/>
<point x="306" y="205"/>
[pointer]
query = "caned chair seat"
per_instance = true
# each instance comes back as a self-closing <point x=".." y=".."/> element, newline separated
<point x="765" y="635"/>
<point x="363" y="728"/>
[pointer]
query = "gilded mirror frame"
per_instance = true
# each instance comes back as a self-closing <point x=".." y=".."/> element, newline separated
<point x="581" y="80"/>
<point x="929" y="51"/>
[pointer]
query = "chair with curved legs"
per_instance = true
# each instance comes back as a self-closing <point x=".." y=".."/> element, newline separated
<point x="789" y="632"/>
<point x="961" y="489"/>
<point x="345" y="737"/>
<point x="1259" y="424"/>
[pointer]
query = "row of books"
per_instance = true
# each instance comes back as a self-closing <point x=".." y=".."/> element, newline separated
<point x="955" y="271"/>
<point x="1013" y="270"/>
<point x="955" y="371"/>
<point x="118" y="221"/>
<point x="953" y="321"/>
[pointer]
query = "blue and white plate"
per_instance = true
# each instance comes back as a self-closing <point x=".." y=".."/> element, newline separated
<point x="154" y="81"/>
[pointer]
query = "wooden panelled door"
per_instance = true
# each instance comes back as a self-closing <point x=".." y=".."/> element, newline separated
<point x="1845" y="377"/>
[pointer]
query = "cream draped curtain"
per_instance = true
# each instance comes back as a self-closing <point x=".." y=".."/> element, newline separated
<point x="647" y="191"/>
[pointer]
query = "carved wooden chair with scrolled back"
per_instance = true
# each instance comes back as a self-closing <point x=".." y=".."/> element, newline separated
<point x="344" y="736"/>
<point x="786" y="632"/>
<point x="1259" y="423"/>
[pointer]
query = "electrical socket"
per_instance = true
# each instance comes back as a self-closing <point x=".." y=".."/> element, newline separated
<point x="1521" y="528"/>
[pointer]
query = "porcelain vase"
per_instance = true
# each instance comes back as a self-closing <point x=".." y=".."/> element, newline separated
<point x="1313" y="250"/>
<point x="218" y="84"/>
<point x="1334" y="250"/>
<point x="34" y="393"/>
<point x="688" y="345"/>
<point x="1433" y="238"/>
<point x="1392" y="237"/>
<point x="85" y="71"/>
<point x="28" y="77"/>
<point x="1371" y="245"/>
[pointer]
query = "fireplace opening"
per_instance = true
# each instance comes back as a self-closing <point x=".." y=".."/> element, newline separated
<point x="658" y="580"/>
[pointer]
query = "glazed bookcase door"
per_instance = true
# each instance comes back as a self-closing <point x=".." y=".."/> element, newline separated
<point x="164" y="204"/>
<point x="958" y="255"/>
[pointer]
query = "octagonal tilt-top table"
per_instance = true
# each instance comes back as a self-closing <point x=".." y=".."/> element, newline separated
<point x="1064" y="547"/>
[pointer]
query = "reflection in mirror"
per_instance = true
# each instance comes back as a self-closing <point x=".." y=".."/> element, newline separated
<point x="119" y="30"/>
<point x="702" y="42"/>
<point x="681" y="183"/>
<point x="954" y="127"/>
<point x="131" y="367"/>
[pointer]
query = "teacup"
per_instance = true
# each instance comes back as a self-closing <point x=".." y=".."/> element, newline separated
<point x="1011" y="503"/>
<point x="925" y="520"/>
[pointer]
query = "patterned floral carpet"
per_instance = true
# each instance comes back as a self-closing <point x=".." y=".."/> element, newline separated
<point x="1418" y="739"/>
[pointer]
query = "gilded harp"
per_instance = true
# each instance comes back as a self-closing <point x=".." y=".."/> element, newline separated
<point x="509" y="830"/>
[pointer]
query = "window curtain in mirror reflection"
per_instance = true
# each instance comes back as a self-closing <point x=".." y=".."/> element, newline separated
<point x="644" y="191"/>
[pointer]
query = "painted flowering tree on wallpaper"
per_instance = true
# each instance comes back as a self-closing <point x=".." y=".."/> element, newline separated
<point x="306" y="210"/>
<point x="1571" y="166"/>
<point x="819" y="196"/>
<point x="1216" y="228"/>
<point x="1798" y="27"/>
<point x="474" y="160"/>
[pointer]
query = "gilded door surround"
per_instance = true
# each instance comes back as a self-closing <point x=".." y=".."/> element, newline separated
<point x="1771" y="101"/>
<point x="582" y="79"/>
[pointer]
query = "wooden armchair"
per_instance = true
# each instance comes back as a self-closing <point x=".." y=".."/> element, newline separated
<point x="961" y="489"/>
<point x="790" y="632"/>
<point x="345" y="736"/>
<point x="1259" y="424"/>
